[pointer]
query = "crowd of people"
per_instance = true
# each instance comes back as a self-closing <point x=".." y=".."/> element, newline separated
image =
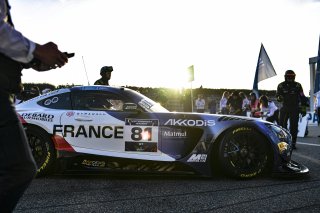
<point x="289" y="105"/>
<point x="238" y="103"/>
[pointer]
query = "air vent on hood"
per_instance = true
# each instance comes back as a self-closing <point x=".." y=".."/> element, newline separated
<point x="232" y="118"/>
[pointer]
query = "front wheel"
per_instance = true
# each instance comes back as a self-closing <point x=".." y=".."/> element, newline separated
<point x="243" y="153"/>
<point x="42" y="149"/>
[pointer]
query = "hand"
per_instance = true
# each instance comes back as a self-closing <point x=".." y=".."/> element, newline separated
<point x="303" y="110"/>
<point x="50" y="56"/>
<point x="41" y="67"/>
<point x="280" y="98"/>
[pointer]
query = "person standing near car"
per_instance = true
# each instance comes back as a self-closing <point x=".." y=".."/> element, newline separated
<point x="290" y="94"/>
<point x="200" y="104"/>
<point x="235" y="104"/>
<point x="17" y="166"/>
<point x="223" y="103"/>
<point x="269" y="109"/>
<point x="254" y="104"/>
<point x="105" y="73"/>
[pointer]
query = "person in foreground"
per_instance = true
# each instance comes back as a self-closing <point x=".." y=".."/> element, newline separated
<point x="290" y="94"/>
<point x="17" y="166"/>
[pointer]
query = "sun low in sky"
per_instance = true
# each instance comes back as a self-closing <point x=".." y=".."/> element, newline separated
<point x="151" y="43"/>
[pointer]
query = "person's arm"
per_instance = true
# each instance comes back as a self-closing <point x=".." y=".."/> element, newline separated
<point x="19" y="48"/>
<point x="14" y="45"/>
<point x="279" y="93"/>
<point x="271" y="108"/>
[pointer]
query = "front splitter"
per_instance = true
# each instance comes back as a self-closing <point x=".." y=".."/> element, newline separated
<point x="292" y="170"/>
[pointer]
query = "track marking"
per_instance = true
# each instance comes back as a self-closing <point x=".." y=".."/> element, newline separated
<point x="313" y="160"/>
<point x="308" y="144"/>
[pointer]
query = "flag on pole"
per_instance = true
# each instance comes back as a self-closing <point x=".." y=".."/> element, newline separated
<point x="264" y="69"/>
<point x="317" y="78"/>
<point x="191" y="73"/>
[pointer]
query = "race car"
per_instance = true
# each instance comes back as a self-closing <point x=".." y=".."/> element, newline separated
<point x="118" y="129"/>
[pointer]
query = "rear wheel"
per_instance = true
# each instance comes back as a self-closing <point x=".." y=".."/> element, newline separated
<point x="42" y="149"/>
<point x="243" y="153"/>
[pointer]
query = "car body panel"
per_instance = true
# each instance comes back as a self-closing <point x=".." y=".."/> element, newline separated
<point x="92" y="120"/>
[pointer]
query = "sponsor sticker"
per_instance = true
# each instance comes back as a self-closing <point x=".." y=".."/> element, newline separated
<point x="51" y="101"/>
<point x="70" y="114"/>
<point x="145" y="104"/>
<point x="94" y="163"/>
<point x="38" y="116"/>
<point x="174" y="133"/>
<point x="198" y="158"/>
<point x="189" y="122"/>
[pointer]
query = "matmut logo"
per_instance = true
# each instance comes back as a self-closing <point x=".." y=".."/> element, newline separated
<point x="188" y="122"/>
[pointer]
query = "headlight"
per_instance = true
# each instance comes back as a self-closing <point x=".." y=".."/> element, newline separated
<point x="280" y="132"/>
<point x="283" y="136"/>
<point x="283" y="147"/>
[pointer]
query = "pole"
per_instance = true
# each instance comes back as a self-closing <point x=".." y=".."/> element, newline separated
<point x="85" y="70"/>
<point x="312" y="64"/>
<point x="191" y="97"/>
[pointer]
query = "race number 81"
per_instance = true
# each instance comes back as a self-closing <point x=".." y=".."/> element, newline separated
<point x="138" y="134"/>
<point x="141" y="130"/>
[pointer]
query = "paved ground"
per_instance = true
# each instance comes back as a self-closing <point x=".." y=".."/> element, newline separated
<point x="136" y="193"/>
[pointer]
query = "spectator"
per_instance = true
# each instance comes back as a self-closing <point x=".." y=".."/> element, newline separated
<point x="105" y="73"/>
<point x="235" y="104"/>
<point x="212" y="105"/>
<point x="245" y="103"/>
<point x="200" y="104"/>
<point x="254" y="104"/>
<point x="223" y="103"/>
<point x="269" y="109"/>
<point x="34" y="92"/>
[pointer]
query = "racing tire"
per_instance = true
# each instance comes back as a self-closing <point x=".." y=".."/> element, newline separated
<point x="243" y="153"/>
<point x="42" y="150"/>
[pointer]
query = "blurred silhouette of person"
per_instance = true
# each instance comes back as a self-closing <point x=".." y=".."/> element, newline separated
<point x="245" y="103"/>
<point x="223" y="103"/>
<point x="254" y="104"/>
<point x="200" y="104"/>
<point x="34" y="92"/>
<point x="269" y="109"/>
<point x="212" y="105"/>
<point x="105" y="73"/>
<point x="235" y="104"/>
<point x="17" y="166"/>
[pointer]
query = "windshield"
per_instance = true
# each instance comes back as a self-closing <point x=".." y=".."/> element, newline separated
<point x="148" y="104"/>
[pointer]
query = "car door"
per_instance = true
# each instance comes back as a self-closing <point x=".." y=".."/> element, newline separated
<point x="99" y="124"/>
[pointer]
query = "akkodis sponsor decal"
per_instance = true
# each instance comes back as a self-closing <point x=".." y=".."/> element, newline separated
<point x="189" y="122"/>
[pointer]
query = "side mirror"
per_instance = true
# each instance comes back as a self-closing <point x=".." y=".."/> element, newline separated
<point x="130" y="107"/>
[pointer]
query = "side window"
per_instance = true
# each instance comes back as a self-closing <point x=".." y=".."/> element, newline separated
<point x="96" y="101"/>
<point x="60" y="101"/>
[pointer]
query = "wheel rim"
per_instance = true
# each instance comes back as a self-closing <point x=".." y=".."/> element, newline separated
<point x="39" y="149"/>
<point x="245" y="153"/>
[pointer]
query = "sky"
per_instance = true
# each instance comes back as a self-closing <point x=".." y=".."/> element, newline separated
<point x="151" y="43"/>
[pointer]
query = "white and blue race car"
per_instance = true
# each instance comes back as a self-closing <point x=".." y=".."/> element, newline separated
<point x="118" y="129"/>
